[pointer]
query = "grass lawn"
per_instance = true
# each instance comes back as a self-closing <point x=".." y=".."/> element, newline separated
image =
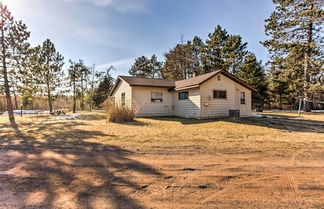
<point x="163" y="162"/>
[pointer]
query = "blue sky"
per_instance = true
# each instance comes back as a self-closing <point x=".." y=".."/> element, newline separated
<point x="115" y="32"/>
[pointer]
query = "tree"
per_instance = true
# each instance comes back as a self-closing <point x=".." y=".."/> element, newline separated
<point x="146" y="67"/>
<point x="223" y="51"/>
<point x="48" y="69"/>
<point x="179" y="62"/>
<point x="74" y="75"/>
<point x="212" y="58"/>
<point x="253" y="73"/>
<point x="295" y="29"/>
<point x="101" y="93"/>
<point x="84" y="76"/>
<point x="13" y="41"/>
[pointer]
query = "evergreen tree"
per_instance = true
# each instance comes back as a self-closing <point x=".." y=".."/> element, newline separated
<point x="48" y="70"/>
<point x="74" y="76"/>
<point x="101" y="93"/>
<point x="212" y="58"/>
<point x="155" y="67"/>
<point x="295" y="30"/>
<point x="223" y="51"/>
<point x="253" y="73"/>
<point x="146" y="67"/>
<point x="178" y="63"/>
<point x="13" y="42"/>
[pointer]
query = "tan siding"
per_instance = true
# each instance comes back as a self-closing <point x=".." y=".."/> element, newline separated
<point x="187" y="108"/>
<point x="123" y="87"/>
<point x="143" y="105"/>
<point x="220" y="107"/>
<point x="245" y="109"/>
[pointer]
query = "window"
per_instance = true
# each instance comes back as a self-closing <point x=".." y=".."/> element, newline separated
<point x="183" y="95"/>
<point x="220" y="94"/>
<point x="156" y="97"/>
<point x="123" y="99"/>
<point x="242" y="96"/>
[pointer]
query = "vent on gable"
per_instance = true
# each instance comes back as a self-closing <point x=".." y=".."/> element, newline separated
<point x="218" y="77"/>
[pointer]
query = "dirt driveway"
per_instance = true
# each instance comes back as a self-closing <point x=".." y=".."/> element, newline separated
<point x="80" y="164"/>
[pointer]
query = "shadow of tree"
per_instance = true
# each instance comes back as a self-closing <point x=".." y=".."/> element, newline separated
<point x="287" y="123"/>
<point x="61" y="169"/>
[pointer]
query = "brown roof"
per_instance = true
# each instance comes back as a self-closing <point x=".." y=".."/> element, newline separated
<point x="135" y="81"/>
<point x="178" y="85"/>
<point x="195" y="81"/>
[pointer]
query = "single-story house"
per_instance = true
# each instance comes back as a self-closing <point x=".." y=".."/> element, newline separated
<point x="215" y="94"/>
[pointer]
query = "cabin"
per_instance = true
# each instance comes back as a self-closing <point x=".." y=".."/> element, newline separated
<point x="211" y="95"/>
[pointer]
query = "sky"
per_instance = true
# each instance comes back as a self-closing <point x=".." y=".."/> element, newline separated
<point x="115" y="32"/>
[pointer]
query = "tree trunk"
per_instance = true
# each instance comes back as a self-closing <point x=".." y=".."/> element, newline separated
<point x="6" y="84"/>
<point x="307" y="105"/>
<point x="49" y="98"/>
<point x="74" y="98"/>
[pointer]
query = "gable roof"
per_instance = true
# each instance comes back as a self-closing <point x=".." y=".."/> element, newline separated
<point x="195" y="81"/>
<point x="198" y="80"/>
<point x="178" y="85"/>
<point x="157" y="82"/>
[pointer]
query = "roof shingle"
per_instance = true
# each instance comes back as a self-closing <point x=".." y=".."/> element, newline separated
<point x="155" y="82"/>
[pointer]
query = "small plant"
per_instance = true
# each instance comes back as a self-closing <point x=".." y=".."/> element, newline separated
<point x="118" y="114"/>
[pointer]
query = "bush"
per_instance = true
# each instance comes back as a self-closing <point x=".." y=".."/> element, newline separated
<point x="118" y="114"/>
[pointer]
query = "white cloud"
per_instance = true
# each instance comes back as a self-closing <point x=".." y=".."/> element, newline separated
<point x="121" y="6"/>
<point x="119" y="64"/>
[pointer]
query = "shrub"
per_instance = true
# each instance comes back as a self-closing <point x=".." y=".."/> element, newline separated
<point x="119" y="114"/>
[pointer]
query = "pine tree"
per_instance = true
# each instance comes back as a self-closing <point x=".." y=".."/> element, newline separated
<point x="74" y="76"/>
<point x="141" y="67"/>
<point x="13" y="42"/>
<point x="253" y="73"/>
<point x="101" y="93"/>
<point x="212" y="58"/>
<point x="295" y="29"/>
<point x="48" y="70"/>
<point x="178" y="63"/>
<point x="223" y="51"/>
<point x="155" y="67"/>
<point x="146" y="67"/>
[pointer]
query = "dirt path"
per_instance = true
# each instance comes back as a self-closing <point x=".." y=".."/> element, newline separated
<point x="110" y="177"/>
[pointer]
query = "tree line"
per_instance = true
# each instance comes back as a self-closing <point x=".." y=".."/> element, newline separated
<point x="33" y="72"/>
<point x="295" y="69"/>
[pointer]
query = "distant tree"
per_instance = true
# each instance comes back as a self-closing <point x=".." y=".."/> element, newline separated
<point x="84" y="79"/>
<point x="101" y="93"/>
<point x="13" y="42"/>
<point x="48" y="69"/>
<point x="295" y="31"/>
<point x="74" y="76"/>
<point x="146" y="67"/>
<point x="253" y="73"/>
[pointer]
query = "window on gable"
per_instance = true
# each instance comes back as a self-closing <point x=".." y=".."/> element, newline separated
<point x="123" y="99"/>
<point x="183" y="95"/>
<point x="218" y="94"/>
<point x="242" y="97"/>
<point x="156" y="97"/>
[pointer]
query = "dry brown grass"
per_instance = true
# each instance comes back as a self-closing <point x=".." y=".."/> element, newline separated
<point x="163" y="162"/>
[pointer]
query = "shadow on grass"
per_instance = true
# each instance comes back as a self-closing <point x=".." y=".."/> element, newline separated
<point x="287" y="123"/>
<point x="68" y="170"/>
